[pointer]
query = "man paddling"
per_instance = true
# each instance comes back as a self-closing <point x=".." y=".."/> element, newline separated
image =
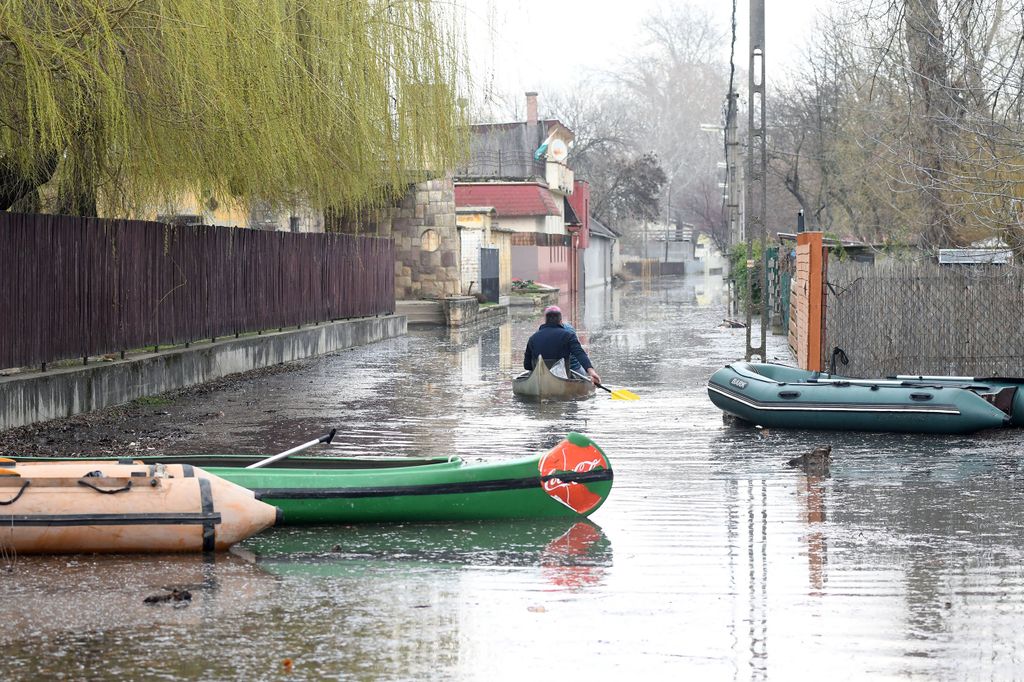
<point x="554" y="342"/>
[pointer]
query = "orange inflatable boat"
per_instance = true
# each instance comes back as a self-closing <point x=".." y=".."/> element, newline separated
<point x="93" y="506"/>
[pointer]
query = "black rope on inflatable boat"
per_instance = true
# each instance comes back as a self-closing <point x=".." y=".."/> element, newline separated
<point x="15" y="498"/>
<point x="114" y="491"/>
<point x="841" y="354"/>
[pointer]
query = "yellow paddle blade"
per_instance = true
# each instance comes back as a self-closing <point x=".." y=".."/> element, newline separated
<point x="623" y="394"/>
<point x="8" y="472"/>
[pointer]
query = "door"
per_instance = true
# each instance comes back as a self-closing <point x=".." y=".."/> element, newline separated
<point x="489" y="274"/>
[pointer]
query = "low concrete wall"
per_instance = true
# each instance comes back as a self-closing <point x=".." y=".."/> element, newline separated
<point x="465" y="311"/>
<point x="40" y="396"/>
<point x="459" y="310"/>
<point x="491" y="313"/>
<point x="537" y="299"/>
<point x="421" y="312"/>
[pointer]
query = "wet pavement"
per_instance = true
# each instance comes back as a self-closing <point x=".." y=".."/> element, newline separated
<point x="710" y="559"/>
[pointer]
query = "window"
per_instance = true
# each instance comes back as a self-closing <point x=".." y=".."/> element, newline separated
<point x="430" y="241"/>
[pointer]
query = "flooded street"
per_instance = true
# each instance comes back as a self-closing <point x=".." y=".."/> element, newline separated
<point x="710" y="558"/>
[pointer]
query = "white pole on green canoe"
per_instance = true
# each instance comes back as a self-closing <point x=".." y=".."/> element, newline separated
<point x="326" y="438"/>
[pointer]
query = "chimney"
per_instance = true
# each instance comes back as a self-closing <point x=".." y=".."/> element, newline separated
<point x="531" y="107"/>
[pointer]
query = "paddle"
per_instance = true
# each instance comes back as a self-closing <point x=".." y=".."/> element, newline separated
<point x="299" y="448"/>
<point x="617" y="394"/>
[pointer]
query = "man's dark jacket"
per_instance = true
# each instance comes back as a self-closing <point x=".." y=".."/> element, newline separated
<point x="553" y="341"/>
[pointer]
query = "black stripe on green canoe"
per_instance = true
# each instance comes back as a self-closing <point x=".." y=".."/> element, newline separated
<point x="157" y="519"/>
<point x="431" y="489"/>
<point x="833" y="407"/>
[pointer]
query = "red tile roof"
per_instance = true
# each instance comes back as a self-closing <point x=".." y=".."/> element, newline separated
<point x="524" y="199"/>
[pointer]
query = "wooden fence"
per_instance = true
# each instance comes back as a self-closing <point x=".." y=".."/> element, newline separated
<point x="899" y="317"/>
<point x="78" y="287"/>
<point x="806" y="300"/>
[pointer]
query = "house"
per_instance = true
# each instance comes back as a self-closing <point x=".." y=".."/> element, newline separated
<point x="520" y="170"/>
<point x="672" y="245"/>
<point x="486" y="253"/>
<point x="195" y="210"/>
<point x="601" y="257"/>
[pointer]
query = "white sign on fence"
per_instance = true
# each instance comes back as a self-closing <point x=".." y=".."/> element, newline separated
<point x="971" y="256"/>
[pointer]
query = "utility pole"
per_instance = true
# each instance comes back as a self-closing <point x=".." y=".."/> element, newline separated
<point x="734" y="234"/>
<point x="757" y="170"/>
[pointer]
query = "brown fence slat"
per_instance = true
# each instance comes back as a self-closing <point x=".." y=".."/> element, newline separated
<point x="78" y="287"/>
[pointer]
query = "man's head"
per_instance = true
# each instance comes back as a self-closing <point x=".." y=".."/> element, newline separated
<point x="553" y="315"/>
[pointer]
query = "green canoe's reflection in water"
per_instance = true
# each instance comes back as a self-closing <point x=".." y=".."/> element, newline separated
<point x="569" y="554"/>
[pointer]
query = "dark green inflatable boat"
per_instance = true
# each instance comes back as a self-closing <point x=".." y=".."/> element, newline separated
<point x="777" y="396"/>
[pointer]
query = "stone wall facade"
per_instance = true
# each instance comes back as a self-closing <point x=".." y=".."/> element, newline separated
<point x="427" y="251"/>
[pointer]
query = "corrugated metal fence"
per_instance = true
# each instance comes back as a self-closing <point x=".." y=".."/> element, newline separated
<point x="898" y="317"/>
<point x="77" y="287"/>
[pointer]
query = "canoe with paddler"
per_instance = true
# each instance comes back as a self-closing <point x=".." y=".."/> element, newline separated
<point x="557" y="367"/>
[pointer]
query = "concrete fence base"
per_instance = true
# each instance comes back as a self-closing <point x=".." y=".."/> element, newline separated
<point x="40" y="396"/>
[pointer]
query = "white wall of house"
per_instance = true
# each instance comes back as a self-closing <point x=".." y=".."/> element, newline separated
<point x="471" y="240"/>
<point x="550" y="224"/>
<point x="559" y="177"/>
<point x="554" y="224"/>
<point x="527" y="223"/>
<point x="598" y="261"/>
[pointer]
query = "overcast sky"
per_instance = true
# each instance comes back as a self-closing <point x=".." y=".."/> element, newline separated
<point x="545" y="45"/>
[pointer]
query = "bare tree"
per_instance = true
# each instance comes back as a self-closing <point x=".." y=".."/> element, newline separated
<point x="904" y="121"/>
<point x="638" y="126"/>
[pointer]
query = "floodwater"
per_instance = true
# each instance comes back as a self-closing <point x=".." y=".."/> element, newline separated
<point x="710" y="559"/>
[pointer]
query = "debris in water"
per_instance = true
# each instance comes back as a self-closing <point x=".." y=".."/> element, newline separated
<point x="815" y="462"/>
<point x="175" y="595"/>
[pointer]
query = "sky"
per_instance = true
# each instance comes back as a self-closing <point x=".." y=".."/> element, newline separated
<point x="520" y="45"/>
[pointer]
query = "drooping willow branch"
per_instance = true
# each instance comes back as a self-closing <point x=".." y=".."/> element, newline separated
<point x="337" y="101"/>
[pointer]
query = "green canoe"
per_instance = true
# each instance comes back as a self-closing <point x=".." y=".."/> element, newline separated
<point x="570" y="481"/>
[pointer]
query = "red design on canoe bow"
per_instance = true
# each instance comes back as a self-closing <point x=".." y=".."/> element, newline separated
<point x="567" y="457"/>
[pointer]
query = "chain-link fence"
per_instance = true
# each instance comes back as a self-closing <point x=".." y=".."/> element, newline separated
<point x="898" y="317"/>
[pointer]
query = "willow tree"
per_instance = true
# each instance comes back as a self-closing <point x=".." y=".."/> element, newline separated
<point x="117" y="104"/>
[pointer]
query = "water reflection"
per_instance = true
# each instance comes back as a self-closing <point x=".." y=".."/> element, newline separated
<point x="570" y="555"/>
<point x="44" y="596"/>
<point x="727" y="564"/>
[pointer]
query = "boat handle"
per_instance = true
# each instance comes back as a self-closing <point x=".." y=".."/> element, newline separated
<point x="789" y="395"/>
<point x="15" y="498"/>
<point x="921" y="396"/>
<point x="112" y="491"/>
